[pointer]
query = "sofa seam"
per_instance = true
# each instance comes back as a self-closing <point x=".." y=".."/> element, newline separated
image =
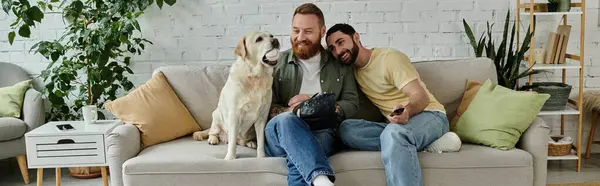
<point x="212" y="172"/>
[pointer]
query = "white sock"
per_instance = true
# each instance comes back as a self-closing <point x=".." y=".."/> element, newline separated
<point x="449" y="142"/>
<point x="322" y="180"/>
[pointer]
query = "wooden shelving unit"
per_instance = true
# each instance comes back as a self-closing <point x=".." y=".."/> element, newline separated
<point x="576" y="62"/>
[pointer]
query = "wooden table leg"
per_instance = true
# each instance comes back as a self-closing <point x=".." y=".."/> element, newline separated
<point x="104" y="175"/>
<point x="58" y="176"/>
<point x="40" y="175"/>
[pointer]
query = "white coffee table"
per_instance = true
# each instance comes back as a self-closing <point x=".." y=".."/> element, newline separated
<point x="49" y="147"/>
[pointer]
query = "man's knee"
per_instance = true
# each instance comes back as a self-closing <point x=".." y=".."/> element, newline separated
<point x="396" y="134"/>
<point x="284" y="122"/>
<point x="349" y="131"/>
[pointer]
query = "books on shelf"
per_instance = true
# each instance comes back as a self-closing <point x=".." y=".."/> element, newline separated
<point x="556" y="46"/>
<point x="564" y="31"/>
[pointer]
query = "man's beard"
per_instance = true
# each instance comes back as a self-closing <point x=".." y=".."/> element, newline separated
<point x="352" y="54"/>
<point x="307" y="51"/>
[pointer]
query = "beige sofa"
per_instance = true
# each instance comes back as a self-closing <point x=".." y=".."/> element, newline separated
<point x="187" y="162"/>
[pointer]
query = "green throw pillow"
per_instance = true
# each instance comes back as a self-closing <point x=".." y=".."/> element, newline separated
<point x="11" y="99"/>
<point x="498" y="116"/>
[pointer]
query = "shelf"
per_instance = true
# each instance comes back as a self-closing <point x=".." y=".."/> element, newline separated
<point x="551" y="13"/>
<point x="567" y="157"/>
<point x="568" y="65"/>
<point x="566" y="111"/>
<point x="556" y="66"/>
<point x="524" y="12"/>
<point x="544" y="5"/>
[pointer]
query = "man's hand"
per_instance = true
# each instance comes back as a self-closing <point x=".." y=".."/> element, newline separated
<point x="402" y="118"/>
<point x="297" y="99"/>
<point x="292" y="107"/>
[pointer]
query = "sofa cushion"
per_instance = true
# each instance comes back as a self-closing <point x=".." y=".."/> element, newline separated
<point x="472" y="165"/>
<point x="155" y="110"/>
<point x="446" y="79"/>
<point x="185" y="155"/>
<point x="11" y="128"/>
<point x="468" y="96"/>
<point x="498" y="116"/>
<point x="11" y="99"/>
<point x="470" y="156"/>
<point x="188" y="156"/>
<point x="202" y="98"/>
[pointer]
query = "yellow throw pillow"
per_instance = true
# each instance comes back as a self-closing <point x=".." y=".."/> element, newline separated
<point x="470" y="92"/>
<point x="156" y="111"/>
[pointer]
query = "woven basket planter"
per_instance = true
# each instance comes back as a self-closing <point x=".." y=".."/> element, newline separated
<point x="558" y="149"/>
<point x="559" y="94"/>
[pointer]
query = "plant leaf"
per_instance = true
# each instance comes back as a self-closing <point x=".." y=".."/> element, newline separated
<point x="11" y="37"/>
<point x="24" y="31"/>
<point x="54" y="56"/>
<point x="25" y="3"/>
<point x="78" y="6"/>
<point x="138" y="14"/>
<point x="170" y="2"/>
<point x="129" y="70"/>
<point x="16" y="22"/>
<point x="159" y="3"/>
<point x="470" y="35"/>
<point x="480" y="46"/>
<point x="6" y="5"/>
<point x="36" y="14"/>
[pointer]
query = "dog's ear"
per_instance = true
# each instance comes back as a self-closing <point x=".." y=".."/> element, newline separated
<point x="240" y="50"/>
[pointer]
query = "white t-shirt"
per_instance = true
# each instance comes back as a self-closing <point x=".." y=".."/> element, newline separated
<point x="311" y="77"/>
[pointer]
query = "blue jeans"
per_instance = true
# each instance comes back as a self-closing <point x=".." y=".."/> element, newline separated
<point x="398" y="143"/>
<point x="306" y="151"/>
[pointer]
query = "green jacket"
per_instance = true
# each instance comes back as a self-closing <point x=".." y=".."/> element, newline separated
<point x="335" y="77"/>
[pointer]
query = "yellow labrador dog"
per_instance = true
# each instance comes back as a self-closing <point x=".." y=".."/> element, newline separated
<point x="243" y="108"/>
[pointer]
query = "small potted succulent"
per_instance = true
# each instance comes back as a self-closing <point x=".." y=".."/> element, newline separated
<point x="559" y="5"/>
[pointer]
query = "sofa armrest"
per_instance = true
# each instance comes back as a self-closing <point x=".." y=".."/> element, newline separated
<point x="535" y="141"/>
<point x="122" y="143"/>
<point x="33" y="109"/>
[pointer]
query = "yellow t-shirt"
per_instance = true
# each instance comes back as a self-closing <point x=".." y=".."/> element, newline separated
<point x="384" y="76"/>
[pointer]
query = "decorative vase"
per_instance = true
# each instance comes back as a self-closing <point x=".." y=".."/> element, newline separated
<point x="90" y="114"/>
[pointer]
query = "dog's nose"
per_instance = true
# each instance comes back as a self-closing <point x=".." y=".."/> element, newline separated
<point x="275" y="43"/>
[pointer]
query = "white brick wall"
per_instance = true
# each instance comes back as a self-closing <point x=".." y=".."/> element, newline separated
<point x="206" y="32"/>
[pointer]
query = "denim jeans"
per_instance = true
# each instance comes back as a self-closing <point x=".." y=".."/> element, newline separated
<point x="398" y="143"/>
<point x="306" y="151"/>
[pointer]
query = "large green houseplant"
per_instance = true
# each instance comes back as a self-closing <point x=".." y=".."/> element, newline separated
<point x="507" y="62"/>
<point x="90" y="61"/>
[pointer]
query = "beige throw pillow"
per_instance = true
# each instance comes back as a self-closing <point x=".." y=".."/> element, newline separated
<point x="156" y="111"/>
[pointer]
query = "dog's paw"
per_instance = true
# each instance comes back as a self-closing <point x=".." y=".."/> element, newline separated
<point x="229" y="157"/>
<point x="251" y="144"/>
<point x="213" y="140"/>
<point x="200" y="136"/>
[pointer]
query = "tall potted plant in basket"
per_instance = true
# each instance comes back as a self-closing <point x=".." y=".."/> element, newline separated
<point x="90" y="61"/>
<point x="507" y="62"/>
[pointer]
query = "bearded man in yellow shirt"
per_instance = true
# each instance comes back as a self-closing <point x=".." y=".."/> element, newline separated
<point x="391" y="83"/>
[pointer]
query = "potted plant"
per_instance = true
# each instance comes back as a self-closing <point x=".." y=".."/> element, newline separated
<point x="90" y="61"/>
<point x="506" y="60"/>
<point x="559" y="5"/>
